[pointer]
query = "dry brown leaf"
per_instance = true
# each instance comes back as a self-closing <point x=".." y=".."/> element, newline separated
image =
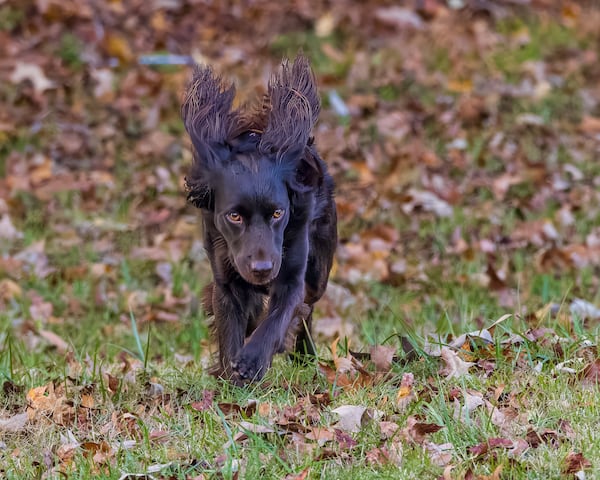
<point x="575" y="462"/>
<point x="590" y="125"/>
<point x="388" y="429"/>
<point x="353" y="417"/>
<point x="591" y="373"/>
<point x="440" y="454"/>
<point x="415" y="431"/>
<point x="300" y="476"/>
<point x="472" y="400"/>
<point x="406" y="393"/>
<point x="54" y="340"/>
<point x="16" y="423"/>
<point x="382" y="357"/>
<point x="320" y="435"/>
<point x="48" y="401"/>
<point x="384" y="455"/>
<point x="7" y="229"/>
<point x="206" y="403"/>
<point x="9" y="289"/>
<point x="454" y="366"/>
<point x="100" y="452"/>
<point x="491" y="443"/>
<point x="87" y="401"/>
<point x="349" y="373"/>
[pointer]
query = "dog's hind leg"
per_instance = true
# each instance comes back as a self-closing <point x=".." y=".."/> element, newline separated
<point x="207" y="299"/>
<point x="304" y="342"/>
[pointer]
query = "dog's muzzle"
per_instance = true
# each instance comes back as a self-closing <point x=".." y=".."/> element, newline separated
<point x="261" y="271"/>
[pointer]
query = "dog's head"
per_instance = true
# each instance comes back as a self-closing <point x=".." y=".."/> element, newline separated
<point x="248" y="169"/>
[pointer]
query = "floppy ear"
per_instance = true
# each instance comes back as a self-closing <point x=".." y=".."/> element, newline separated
<point x="306" y="170"/>
<point x="293" y="110"/>
<point x="208" y="119"/>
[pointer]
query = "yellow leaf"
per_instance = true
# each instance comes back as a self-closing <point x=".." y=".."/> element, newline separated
<point x="36" y="393"/>
<point x="460" y="86"/>
<point x="41" y="172"/>
<point x="159" y="22"/>
<point x="117" y="46"/>
<point x="9" y="289"/>
<point x="325" y="25"/>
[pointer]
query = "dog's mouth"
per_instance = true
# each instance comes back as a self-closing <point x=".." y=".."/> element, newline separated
<point x="259" y="278"/>
<point x="259" y="273"/>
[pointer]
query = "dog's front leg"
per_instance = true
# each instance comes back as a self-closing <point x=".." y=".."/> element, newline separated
<point x="230" y="324"/>
<point x="287" y="292"/>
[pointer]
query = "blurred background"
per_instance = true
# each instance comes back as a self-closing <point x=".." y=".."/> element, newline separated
<point x="463" y="136"/>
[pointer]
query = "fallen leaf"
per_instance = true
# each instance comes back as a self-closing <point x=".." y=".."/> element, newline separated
<point x="300" y="476"/>
<point x="388" y="429"/>
<point x="415" y="431"/>
<point x="9" y="289"/>
<point x="590" y="125"/>
<point x="344" y="440"/>
<point x="584" y="309"/>
<point x="591" y="373"/>
<point x="383" y="455"/>
<point x="320" y="435"/>
<point x="33" y="73"/>
<point x="118" y="46"/>
<point x="546" y="436"/>
<point x="575" y="462"/>
<point x="491" y="443"/>
<point x="471" y="402"/>
<point x="235" y="408"/>
<point x="440" y="454"/>
<point x="454" y="366"/>
<point x="54" y="340"/>
<point x="349" y="372"/>
<point x="7" y="229"/>
<point x="206" y="403"/>
<point x="428" y="201"/>
<point x="249" y="427"/>
<point x="406" y="393"/>
<point x="399" y="17"/>
<point x="352" y="417"/>
<point x="382" y="356"/>
<point x="16" y="423"/>
<point x="87" y="401"/>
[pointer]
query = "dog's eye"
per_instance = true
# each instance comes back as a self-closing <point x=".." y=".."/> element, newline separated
<point x="234" y="217"/>
<point x="278" y="213"/>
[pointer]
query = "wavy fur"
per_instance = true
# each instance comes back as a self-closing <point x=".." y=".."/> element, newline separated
<point x="294" y="107"/>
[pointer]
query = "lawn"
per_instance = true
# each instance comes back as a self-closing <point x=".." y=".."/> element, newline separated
<point x="458" y="337"/>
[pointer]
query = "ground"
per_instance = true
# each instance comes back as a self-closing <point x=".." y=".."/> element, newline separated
<point x="458" y="338"/>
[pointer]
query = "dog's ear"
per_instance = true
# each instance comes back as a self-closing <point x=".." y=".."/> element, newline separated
<point x="209" y="120"/>
<point x="306" y="169"/>
<point x="294" y="106"/>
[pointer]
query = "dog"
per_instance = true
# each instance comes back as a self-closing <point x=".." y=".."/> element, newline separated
<point x="268" y="214"/>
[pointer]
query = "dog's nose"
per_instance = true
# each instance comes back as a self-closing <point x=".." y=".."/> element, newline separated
<point x="264" y="266"/>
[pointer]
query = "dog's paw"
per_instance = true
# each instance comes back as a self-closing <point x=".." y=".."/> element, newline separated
<point x="250" y="365"/>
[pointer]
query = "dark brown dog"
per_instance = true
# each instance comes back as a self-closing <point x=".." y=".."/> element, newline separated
<point x="268" y="214"/>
